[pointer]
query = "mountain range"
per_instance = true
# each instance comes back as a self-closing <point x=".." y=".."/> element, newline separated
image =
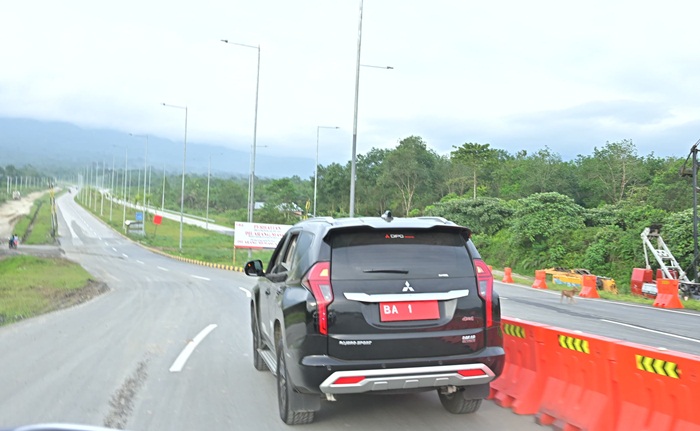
<point x="61" y="147"/>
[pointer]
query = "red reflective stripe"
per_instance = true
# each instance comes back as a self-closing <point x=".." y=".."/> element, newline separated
<point x="348" y="380"/>
<point x="471" y="373"/>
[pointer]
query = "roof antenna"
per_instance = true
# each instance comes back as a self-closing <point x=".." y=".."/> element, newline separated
<point x="387" y="216"/>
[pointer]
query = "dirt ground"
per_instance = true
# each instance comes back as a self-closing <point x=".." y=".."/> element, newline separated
<point x="12" y="210"/>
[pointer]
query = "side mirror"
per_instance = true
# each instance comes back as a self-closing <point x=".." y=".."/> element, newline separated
<point x="254" y="268"/>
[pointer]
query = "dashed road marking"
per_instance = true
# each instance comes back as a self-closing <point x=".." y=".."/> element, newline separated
<point x="163" y="269"/>
<point x="189" y="348"/>
<point x="651" y="330"/>
<point x="246" y="291"/>
<point x="201" y="278"/>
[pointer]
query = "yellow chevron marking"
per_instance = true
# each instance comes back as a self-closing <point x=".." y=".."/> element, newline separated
<point x="514" y="330"/>
<point x="576" y="344"/>
<point x="658" y="366"/>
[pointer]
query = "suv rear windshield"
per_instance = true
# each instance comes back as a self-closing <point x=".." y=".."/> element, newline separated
<point x="390" y="254"/>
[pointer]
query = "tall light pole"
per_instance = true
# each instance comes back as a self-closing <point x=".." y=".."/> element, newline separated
<point x="126" y="170"/>
<point x="354" y="122"/>
<point x="145" y="169"/>
<point x="353" y="165"/>
<point x="111" y="191"/>
<point x="184" y="159"/>
<point x="251" y="181"/>
<point x="208" y="180"/>
<point x="162" y="197"/>
<point x="318" y="128"/>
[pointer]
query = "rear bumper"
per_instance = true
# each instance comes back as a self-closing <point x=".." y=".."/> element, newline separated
<point x="398" y="379"/>
<point x="317" y="373"/>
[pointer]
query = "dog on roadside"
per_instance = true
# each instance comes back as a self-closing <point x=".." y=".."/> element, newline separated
<point x="570" y="293"/>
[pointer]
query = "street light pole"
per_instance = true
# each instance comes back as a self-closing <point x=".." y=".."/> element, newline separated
<point x="184" y="159"/>
<point x="162" y="197"/>
<point x="318" y="128"/>
<point x="251" y="181"/>
<point x="354" y="122"/>
<point x="145" y="169"/>
<point x="111" y="191"/>
<point x="208" y="180"/>
<point x="126" y="167"/>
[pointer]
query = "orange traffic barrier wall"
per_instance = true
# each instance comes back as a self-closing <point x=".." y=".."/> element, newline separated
<point x="657" y="390"/>
<point x="589" y="288"/>
<point x="667" y="296"/>
<point x="520" y="386"/>
<point x="575" y="381"/>
<point x="507" y="275"/>
<point x="578" y="381"/>
<point x="540" y="280"/>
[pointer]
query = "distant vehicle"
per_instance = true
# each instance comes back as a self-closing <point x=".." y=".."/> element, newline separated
<point x="383" y="305"/>
<point x="16" y="195"/>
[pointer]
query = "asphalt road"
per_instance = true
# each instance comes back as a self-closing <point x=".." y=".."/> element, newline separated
<point x="656" y="327"/>
<point x="115" y="360"/>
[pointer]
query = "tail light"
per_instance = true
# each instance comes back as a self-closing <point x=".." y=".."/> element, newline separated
<point x="318" y="281"/>
<point x="485" y="279"/>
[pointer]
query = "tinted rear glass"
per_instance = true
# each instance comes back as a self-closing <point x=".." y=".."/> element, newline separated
<point x="398" y="254"/>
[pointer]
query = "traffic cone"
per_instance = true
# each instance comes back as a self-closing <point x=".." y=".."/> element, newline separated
<point x="507" y="275"/>
<point x="540" y="280"/>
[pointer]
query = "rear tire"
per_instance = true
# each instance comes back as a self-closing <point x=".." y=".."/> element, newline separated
<point x="258" y="361"/>
<point x="455" y="403"/>
<point x="285" y="393"/>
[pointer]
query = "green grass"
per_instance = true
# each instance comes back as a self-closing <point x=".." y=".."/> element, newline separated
<point x="40" y="232"/>
<point x="197" y="243"/>
<point x="31" y="285"/>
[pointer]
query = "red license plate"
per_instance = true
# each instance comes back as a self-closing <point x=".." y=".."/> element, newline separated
<point x="409" y="310"/>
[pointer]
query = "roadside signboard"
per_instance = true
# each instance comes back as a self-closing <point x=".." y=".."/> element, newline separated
<point x="258" y="235"/>
<point x="157" y="219"/>
<point x="139" y="216"/>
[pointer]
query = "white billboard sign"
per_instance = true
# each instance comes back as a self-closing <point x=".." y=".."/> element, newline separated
<point x="258" y="235"/>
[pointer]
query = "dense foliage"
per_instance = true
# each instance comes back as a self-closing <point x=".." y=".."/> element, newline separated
<point x="526" y="211"/>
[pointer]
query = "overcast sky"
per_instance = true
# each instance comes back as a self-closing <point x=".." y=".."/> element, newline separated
<point x="514" y="74"/>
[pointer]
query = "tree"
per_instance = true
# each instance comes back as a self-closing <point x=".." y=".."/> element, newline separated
<point x="409" y="169"/>
<point x="477" y="158"/>
<point x="612" y="170"/>
<point x="542" y="225"/>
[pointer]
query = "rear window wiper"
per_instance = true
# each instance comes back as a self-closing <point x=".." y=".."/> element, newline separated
<point x="386" y="270"/>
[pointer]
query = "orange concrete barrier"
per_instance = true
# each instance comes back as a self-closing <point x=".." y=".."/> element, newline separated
<point x="540" y="280"/>
<point x="507" y="275"/>
<point x="578" y="381"/>
<point x="656" y="390"/>
<point x="589" y="288"/>
<point x="520" y="386"/>
<point x="667" y="296"/>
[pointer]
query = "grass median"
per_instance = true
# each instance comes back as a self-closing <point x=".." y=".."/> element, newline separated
<point x="31" y="285"/>
<point x="197" y="243"/>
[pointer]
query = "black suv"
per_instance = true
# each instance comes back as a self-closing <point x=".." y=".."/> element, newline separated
<point x="360" y="305"/>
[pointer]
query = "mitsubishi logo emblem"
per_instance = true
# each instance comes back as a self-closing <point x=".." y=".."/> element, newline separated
<point x="407" y="288"/>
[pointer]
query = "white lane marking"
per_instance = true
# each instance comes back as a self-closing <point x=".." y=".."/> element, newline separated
<point x="201" y="278"/>
<point x="246" y="291"/>
<point x="163" y="269"/>
<point x="189" y="348"/>
<point x="651" y="330"/>
<point x="140" y="262"/>
<point x="114" y="249"/>
<point x="646" y="307"/>
<point x="106" y="243"/>
<point x="625" y="304"/>
<point x="123" y="254"/>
